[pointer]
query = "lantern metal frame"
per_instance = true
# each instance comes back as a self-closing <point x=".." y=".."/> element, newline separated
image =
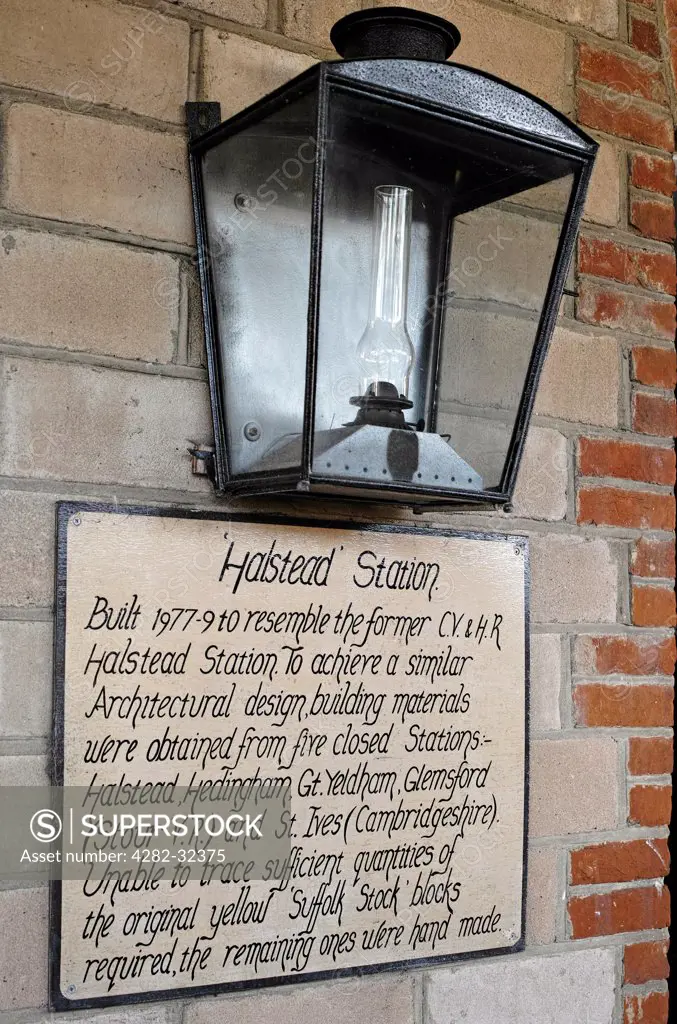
<point x="457" y="95"/>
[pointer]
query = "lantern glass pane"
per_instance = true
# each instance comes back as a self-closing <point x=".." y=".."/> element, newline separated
<point x="501" y="258"/>
<point x="426" y="325"/>
<point x="258" y="186"/>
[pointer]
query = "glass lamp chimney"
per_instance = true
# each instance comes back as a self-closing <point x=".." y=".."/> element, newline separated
<point x="385" y="353"/>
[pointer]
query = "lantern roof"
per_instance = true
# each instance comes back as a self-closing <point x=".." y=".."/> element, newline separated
<point x="458" y="89"/>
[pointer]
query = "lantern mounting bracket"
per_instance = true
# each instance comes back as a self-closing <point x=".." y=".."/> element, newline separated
<point x="202" y="461"/>
<point x="201" y="118"/>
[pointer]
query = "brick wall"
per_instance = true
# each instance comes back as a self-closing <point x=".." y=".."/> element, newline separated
<point x="103" y="386"/>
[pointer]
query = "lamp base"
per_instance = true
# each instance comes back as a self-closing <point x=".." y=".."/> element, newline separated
<point x="381" y="406"/>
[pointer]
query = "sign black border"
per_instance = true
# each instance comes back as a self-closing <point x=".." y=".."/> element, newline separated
<point x="64" y="509"/>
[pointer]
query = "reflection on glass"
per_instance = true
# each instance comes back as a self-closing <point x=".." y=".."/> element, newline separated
<point x="263" y="397"/>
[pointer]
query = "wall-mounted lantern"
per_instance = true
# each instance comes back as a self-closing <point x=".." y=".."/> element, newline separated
<point x="383" y="245"/>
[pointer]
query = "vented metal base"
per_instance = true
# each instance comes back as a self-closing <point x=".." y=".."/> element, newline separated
<point x="376" y="454"/>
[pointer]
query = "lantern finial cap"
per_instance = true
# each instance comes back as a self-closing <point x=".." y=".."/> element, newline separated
<point x="392" y="32"/>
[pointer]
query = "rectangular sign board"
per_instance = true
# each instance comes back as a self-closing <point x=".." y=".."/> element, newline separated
<point x="377" y="676"/>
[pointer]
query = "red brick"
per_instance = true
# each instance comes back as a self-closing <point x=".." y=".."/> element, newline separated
<point x="650" y="755"/>
<point x="670" y="11"/>
<point x="648" y="1008"/>
<point x="673" y="55"/>
<point x="653" y="218"/>
<point x="653" y="414"/>
<point x="653" y="173"/>
<point x="623" y="706"/>
<point x="631" y="656"/>
<point x="639" y="510"/>
<point x="620" y="862"/>
<point x="650" y="805"/>
<point x="622" y="116"/>
<point x="625" y="311"/>
<point x="656" y="367"/>
<point x="654" y="558"/>
<point x="601" y="457"/>
<point x="646" y="961"/>
<point x="604" y="258"/>
<point x="621" y="74"/>
<point x="627" y="910"/>
<point x="653" y="606"/>
<point x="644" y="36"/>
